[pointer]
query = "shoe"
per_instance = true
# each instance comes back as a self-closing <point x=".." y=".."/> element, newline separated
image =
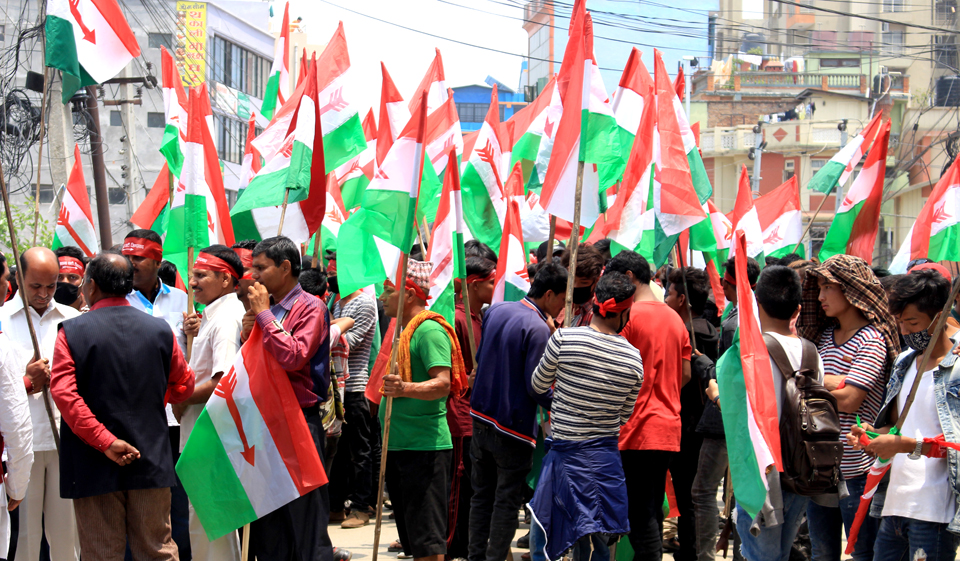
<point x="357" y="519"/>
<point x="395" y="547"/>
<point x="671" y="545"/>
<point x="340" y="554"/>
<point x="403" y="555"/>
<point x="523" y="542"/>
<point x="338" y="516"/>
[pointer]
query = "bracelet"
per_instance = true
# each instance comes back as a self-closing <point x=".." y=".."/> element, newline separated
<point x="29" y="385"/>
<point x="716" y="400"/>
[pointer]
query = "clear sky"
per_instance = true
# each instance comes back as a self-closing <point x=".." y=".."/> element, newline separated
<point x="410" y="30"/>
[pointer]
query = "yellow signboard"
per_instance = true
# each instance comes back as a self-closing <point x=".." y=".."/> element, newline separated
<point x="191" y="51"/>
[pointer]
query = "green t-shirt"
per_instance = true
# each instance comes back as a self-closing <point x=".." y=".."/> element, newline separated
<point x="416" y="424"/>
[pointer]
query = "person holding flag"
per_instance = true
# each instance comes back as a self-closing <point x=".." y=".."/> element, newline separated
<point x="120" y="486"/>
<point x="845" y="313"/>
<point x="73" y="263"/>
<point x="296" y="333"/>
<point x="429" y="369"/>
<point x="920" y="510"/>
<point x="216" y="273"/>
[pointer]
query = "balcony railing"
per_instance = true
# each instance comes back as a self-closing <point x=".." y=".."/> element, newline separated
<point x="788" y="134"/>
<point x="789" y="81"/>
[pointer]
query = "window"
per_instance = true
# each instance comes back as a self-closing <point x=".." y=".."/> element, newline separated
<point x="115" y="120"/>
<point x="945" y="52"/>
<point x="946" y="12"/>
<point x="839" y="63"/>
<point x="46" y="193"/>
<point x="238" y="68"/>
<point x="157" y="40"/>
<point x="475" y="112"/>
<point x="893" y="40"/>
<point x="815" y="165"/>
<point x="892" y="5"/>
<point x="231" y="138"/>
<point x="788" y="170"/>
<point x="117" y="195"/>
<point x="3" y="29"/>
<point x="155" y="120"/>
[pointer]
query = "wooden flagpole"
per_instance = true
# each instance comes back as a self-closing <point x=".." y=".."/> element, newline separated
<point x="686" y="297"/>
<point x="401" y="287"/>
<point x="245" y="547"/>
<point x="316" y="248"/>
<point x="550" y="240"/>
<point x="574" y="247"/>
<point x="810" y="224"/>
<point x="283" y="211"/>
<point x="26" y="305"/>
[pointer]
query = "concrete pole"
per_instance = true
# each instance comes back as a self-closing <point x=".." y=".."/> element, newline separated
<point x="133" y="181"/>
<point x="758" y="141"/>
<point x="839" y="197"/>
<point x="689" y="89"/>
<point x="60" y="141"/>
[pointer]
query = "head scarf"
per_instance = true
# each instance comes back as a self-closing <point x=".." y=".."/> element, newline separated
<point x="862" y="288"/>
<point x="418" y="277"/>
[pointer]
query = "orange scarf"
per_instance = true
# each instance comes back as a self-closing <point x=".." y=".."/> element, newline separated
<point x="458" y="374"/>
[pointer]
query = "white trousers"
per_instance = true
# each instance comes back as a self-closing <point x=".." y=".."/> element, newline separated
<point x="43" y="507"/>
<point x="226" y="548"/>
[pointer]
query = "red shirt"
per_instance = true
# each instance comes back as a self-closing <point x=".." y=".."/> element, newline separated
<point x="662" y="339"/>
<point x="76" y="413"/>
<point x="458" y="408"/>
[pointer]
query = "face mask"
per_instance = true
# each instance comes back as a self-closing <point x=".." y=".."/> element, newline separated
<point x="66" y="293"/>
<point x="582" y="295"/>
<point x="921" y="339"/>
<point x="623" y="323"/>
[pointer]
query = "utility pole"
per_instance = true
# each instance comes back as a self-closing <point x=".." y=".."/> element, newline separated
<point x="59" y="134"/>
<point x="757" y="153"/>
<point x="843" y="142"/>
<point x="130" y="172"/>
<point x="99" y="170"/>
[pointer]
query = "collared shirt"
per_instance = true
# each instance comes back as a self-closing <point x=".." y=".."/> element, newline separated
<point x="77" y="414"/>
<point x="214" y="350"/>
<point x="169" y="305"/>
<point x="295" y="338"/>
<point x="15" y="424"/>
<point x="14" y="322"/>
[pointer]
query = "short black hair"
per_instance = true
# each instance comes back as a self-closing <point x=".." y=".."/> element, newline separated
<point x="111" y="279"/>
<point x="226" y="254"/>
<point x="613" y="285"/>
<point x="279" y="249"/>
<point x="416" y="253"/>
<point x="779" y="291"/>
<point x="926" y="289"/>
<point x="589" y="261"/>
<point x="479" y="266"/>
<point x="603" y="246"/>
<point x="697" y="283"/>
<point x="880" y="272"/>
<point x="753" y="269"/>
<point x="306" y="262"/>
<point x="145" y="234"/>
<point x="633" y="262"/>
<point x="72" y="251"/>
<point x="789" y="258"/>
<point x="550" y="276"/>
<point x="889" y="281"/>
<point x="245" y="244"/>
<point x="479" y="249"/>
<point x="314" y="281"/>
<point x="769" y="261"/>
<point x="542" y="249"/>
<point x="167" y="272"/>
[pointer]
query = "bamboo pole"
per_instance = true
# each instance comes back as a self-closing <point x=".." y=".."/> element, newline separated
<point x="283" y="211"/>
<point x="43" y="112"/>
<point x="575" y="235"/>
<point x="466" y="308"/>
<point x="316" y="248"/>
<point x="245" y="548"/>
<point x="190" y="304"/>
<point x="550" y="240"/>
<point x="26" y="305"/>
<point x="810" y="224"/>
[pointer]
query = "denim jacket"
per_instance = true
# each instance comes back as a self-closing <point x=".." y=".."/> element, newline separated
<point x="946" y="383"/>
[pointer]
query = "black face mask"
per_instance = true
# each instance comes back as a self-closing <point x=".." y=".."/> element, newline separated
<point x="66" y="293"/>
<point x="623" y="323"/>
<point x="582" y="295"/>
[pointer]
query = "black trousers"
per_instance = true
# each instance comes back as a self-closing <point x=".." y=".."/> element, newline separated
<point x="420" y="490"/>
<point x="646" y="475"/>
<point x="683" y="470"/>
<point x="500" y="468"/>
<point x="297" y="531"/>
<point x="461" y="493"/>
<point x="352" y="475"/>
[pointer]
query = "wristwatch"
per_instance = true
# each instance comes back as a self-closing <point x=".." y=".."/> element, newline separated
<point x="917" y="452"/>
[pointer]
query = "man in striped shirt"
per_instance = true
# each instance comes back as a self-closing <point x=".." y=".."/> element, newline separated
<point x="596" y="376"/>
<point x="854" y="338"/>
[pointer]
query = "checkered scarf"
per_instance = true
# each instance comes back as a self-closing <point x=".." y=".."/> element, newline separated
<point x="862" y="289"/>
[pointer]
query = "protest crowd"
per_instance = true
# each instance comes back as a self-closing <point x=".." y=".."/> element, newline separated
<point x="578" y="341"/>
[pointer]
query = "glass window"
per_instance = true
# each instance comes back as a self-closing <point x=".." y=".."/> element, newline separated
<point x="115" y="120"/>
<point x="238" y="68"/>
<point x="893" y="42"/>
<point x="892" y="5"/>
<point x="155" y="120"/>
<point x="116" y="195"/>
<point x="157" y="40"/>
<point x="46" y="192"/>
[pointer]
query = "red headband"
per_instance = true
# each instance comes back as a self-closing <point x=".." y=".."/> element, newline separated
<point x="71" y="265"/>
<point x="142" y="248"/>
<point x="477" y="278"/>
<point x="207" y="262"/>
<point x="611" y="305"/>
<point x="245" y="255"/>
<point x="729" y="278"/>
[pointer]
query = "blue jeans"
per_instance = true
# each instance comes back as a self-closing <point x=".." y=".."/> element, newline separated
<point x="775" y="542"/>
<point x="600" y="551"/>
<point x="900" y="538"/>
<point x="538" y="541"/>
<point x="825" y="523"/>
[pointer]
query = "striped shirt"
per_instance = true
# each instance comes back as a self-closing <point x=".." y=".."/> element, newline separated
<point x="595" y="377"/>
<point x="861" y="360"/>
<point x="363" y="310"/>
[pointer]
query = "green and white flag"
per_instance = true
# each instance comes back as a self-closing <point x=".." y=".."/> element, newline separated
<point x="841" y="165"/>
<point x="936" y="233"/>
<point x="278" y="84"/>
<point x="484" y="206"/>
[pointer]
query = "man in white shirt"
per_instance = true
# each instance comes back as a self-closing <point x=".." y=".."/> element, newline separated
<point x="216" y="341"/>
<point x="42" y="508"/>
<point x="16" y="435"/>
<point x="144" y="248"/>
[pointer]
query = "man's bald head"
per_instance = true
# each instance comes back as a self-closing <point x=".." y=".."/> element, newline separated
<point x="41" y="271"/>
<point x="112" y="275"/>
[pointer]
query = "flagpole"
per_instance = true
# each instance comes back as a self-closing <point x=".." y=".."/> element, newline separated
<point x="190" y="305"/>
<point x="810" y="224"/>
<point x="283" y="211"/>
<point x="575" y="236"/>
<point x="401" y="288"/>
<point x="553" y="234"/>
<point x="316" y="248"/>
<point x="245" y="548"/>
<point x="686" y="298"/>
<point x="26" y="304"/>
<point x="43" y="112"/>
<point x="426" y="231"/>
<point x="466" y="308"/>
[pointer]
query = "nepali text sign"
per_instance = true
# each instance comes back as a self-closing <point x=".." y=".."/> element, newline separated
<point x="192" y="42"/>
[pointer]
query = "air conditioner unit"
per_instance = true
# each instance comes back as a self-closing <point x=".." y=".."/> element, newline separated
<point x="884" y="70"/>
<point x="884" y="27"/>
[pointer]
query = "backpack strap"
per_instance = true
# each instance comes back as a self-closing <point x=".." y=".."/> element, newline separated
<point x="808" y="358"/>
<point x="779" y="356"/>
